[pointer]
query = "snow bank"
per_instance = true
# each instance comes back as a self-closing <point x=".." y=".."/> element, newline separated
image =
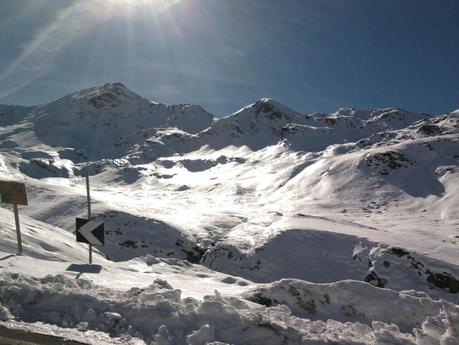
<point x="350" y="301"/>
<point x="158" y="314"/>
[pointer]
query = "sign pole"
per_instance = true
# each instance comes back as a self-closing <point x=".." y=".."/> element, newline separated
<point x="18" y="228"/>
<point x="89" y="213"/>
<point x="12" y="192"/>
<point x="89" y="231"/>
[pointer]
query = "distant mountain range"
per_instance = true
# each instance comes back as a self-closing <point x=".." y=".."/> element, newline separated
<point x="111" y="121"/>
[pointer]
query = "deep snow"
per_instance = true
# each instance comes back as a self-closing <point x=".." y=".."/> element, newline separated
<point x="358" y="206"/>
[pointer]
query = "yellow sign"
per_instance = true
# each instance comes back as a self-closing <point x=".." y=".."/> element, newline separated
<point x="13" y="193"/>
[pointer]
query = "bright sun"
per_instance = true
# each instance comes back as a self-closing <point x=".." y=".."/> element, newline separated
<point x="157" y="5"/>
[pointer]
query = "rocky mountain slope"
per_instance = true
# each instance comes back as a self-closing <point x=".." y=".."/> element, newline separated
<point x="264" y="196"/>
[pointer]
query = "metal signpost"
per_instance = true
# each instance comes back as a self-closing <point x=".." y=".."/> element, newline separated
<point x="90" y="231"/>
<point x="14" y="193"/>
<point x="88" y="197"/>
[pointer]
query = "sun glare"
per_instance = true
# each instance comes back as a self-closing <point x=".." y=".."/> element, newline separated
<point x="72" y="23"/>
<point x="156" y="5"/>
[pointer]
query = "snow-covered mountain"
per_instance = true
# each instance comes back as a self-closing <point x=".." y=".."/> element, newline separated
<point x="336" y="218"/>
<point x="104" y="122"/>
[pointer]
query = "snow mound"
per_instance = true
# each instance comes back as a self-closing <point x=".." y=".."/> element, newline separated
<point x="158" y="314"/>
<point x="350" y="301"/>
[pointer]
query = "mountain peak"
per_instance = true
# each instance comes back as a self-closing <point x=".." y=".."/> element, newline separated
<point x="266" y="102"/>
<point x="268" y="107"/>
<point x="188" y="109"/>
<point x="108" y="94"/>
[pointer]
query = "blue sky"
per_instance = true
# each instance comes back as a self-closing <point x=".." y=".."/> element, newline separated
<point x="313" y="55"/>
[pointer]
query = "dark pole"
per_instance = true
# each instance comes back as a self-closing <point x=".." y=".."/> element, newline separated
<point x="18" y="229"/>
<point x="89" y="212"/>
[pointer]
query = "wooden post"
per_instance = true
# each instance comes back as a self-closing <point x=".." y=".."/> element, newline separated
<point x="12" y="192"/>
<point x="89" y="213"/>
<point x="18" y="227"/>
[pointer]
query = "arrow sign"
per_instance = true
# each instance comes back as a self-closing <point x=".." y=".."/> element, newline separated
<point x="90" y="231"/>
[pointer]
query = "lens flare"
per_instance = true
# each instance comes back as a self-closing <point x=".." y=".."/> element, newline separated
<point x="36" y="57"/>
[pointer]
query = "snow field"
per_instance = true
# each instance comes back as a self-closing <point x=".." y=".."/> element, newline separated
<point x="264" y="227"/>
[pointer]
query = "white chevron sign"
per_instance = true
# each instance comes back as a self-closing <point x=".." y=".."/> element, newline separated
<point x="87" y="231"/>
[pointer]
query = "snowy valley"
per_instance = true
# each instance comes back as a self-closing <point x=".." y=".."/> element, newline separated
<point x="266" y="226"/>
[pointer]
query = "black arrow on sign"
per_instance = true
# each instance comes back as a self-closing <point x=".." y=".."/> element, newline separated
<point x="90" y="231"/>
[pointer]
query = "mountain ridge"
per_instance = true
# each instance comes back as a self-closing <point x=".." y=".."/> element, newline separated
<point x="106" y="121"/>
